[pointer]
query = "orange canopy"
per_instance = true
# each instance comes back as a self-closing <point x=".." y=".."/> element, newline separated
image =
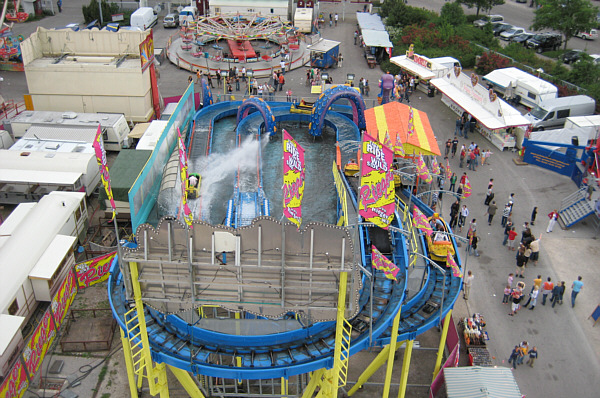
<point x="392" y="118"/>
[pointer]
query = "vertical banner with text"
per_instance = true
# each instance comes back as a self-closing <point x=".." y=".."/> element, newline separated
<point x="183" y="170"/>
<point x="63" y="298"/>
<point x="38" y="344"/>
<point x="377" y="203"/>
<point x="293" y="179"/>
<point x="103" y="165"/>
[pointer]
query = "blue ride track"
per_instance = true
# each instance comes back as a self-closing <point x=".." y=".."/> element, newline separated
<point x="199" y="351"/>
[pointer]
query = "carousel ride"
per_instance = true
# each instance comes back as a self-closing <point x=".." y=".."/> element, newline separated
<point x="258" y="43"/>
<point x="10" y="51"/>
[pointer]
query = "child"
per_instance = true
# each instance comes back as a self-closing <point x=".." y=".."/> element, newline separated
<point x="512" y="234"/>
<point x="511" y="277"/>
<point x="506" y="292"/>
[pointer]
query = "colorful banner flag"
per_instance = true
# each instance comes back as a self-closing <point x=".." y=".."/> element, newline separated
<point x="63" y="298"/>
<point x="377" y="199"/>
<point x="455" y="269"/>
<point x="467" y="189"/>
<point x="411" y="123"/>
<point x="103" y="165"/>
<point x="398" y="147"/>
<point x="293" y="179"/>
<point x="448" y="169"/>
<point x="382" y="263"/>
<point x="420" y="221"/>
<point x="15" y="384"/>
<point x="38" y="343"/>
<point x="435" y="167"/>
<point x="188" y="217"/>
<point x="387" y="141"/>
<point x="422" y="171"/>
<point x="94" y="271"/>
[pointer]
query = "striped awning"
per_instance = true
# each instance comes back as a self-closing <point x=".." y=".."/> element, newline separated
<point x="481" y="382"/>
<point x="392" y="118"/>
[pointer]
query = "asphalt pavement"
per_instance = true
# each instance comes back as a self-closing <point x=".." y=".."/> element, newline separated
<point x="568" y="344"/>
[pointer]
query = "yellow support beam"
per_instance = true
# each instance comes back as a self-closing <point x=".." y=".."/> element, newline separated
<point x="391" y="353"/>
<point x="315" y="380"/>
<point x="371" y="369"/>
<point x="405" y="368"/>
<point x="440" y="354"/>
<point x="129" y="364"/>
<point x="284" y="386"/>
<point x="187" y="382"/>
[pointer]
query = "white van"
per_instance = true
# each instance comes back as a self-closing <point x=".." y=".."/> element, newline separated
<point x="188" y="14"/>
<point x="554" y="113"/>
<point x="143" y="18"/>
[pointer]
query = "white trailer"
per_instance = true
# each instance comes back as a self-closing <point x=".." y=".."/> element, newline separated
<point x="303" y="20"/>
<point x="115" y="129"/>
<point x="512" y="82"/>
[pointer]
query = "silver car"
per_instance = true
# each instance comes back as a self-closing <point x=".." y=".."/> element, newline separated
<point x="171" y="21"/>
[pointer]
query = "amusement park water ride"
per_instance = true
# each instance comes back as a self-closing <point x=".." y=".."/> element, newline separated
<point x="251" y="305"/>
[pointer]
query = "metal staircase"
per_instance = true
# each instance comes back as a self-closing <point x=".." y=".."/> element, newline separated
<point x="574" y="208"/>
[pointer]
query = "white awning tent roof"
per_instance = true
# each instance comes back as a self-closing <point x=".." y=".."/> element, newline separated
<point x="406" y="63"/>
<point x="323" y="45"/>
<point x="376" y="38"/>
<point x="563" y="136"/>
<point x="369" y="21"/>
<point x="481" y="382"/>
<point x="509" y="116"/>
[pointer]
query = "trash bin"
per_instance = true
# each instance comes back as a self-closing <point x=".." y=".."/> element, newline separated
<point x="430" y="91"/>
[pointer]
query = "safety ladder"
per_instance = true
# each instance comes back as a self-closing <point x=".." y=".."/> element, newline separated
<point x="342" y="358"/>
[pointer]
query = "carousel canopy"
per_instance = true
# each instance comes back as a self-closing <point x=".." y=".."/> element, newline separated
<point x="393" y="118"/>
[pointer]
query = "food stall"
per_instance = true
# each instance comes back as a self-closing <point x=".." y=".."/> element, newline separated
<point x="375" y="38"/>
<point x="476" y="340"/>
<point x="324" y="53"/>
<point x="422" y="68"/>
<point x="500" y="123"/>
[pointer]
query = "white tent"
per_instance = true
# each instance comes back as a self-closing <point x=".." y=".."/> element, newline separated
<point x="376" y="38"/>
<point x="481" y="382"/>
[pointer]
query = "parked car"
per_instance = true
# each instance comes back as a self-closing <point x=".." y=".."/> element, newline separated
<point x="591" y="35"/>
<point x="501" y="27"/>
<point x="571" y="56"/>
<point x="509" y="34"/>
<point x="521" y="38"/>
<point x="480" y="23"/>
<point x="171" y="21"/>
<point x="544" y="42"/>
<point x="595" y="58"/>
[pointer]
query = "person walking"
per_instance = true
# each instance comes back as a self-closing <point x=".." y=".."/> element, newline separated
<point x="453" y="179"/>
<point x="491" y="212"/>
<point x="448" y="147"/>
<point x="556" y="292"/>
<point x="506" y="295"/>
<point x="533" y="355"/>
<point x="507" y="229"/>
<point x="473" y="244"/>
<point x="516" y="296"/>
<point x="547" y="289"/>
<point x="454" y="211"/>
<point x="467" y="283"/>
<point x="513" y="356"/>
<point x="524" y="346"/>
<point x="553" y="216"/>
<point x="535" y="250"/>
<point x="576" y="286"/>
<point x="520" y="257"/>
<point x="454" y="146"/>
<point x="281" y="81"/>
<point x="59" y="5"/>
<point x="536" y="282"/>
<point x="463" y="154"/>
<point x="336" y="19"/>
<point x="533" y="297"/>
<point x="505" y="214"/>
<point x="512" y="235"/>
<point x="533" y="215"/>
<point x="464" y="213"/>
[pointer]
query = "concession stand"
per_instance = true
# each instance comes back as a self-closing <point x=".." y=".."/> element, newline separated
<point x="324" y="53"/>
<point x="422" y="68"/>
<point x="500" y="123"/>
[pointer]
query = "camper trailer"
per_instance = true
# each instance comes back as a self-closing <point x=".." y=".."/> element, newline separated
<point x="521" y="87"/>
<point x="554" y="113"/>
<point x="114" y="126"/>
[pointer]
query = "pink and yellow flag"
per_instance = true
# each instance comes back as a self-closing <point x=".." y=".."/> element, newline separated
<point x="435" y="167"/>
<point x="422" y="171"/>
<point x="377" y="198"/>
<point x="398" y="147"/>
<point x="420" y="221"/>
<point x="411" y="123"/>
<point x="387" y="141"/>
<point x="455" y="269"/>
<point x="448" y="169"/>
<point x="382" y="263"/>
<point x="103" y="165"/>
<point x="293" y="179"/>
<point x="188" y="217"/>
<point x="467" y="189"/>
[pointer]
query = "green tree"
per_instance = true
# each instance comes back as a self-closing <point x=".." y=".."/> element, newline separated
<point x="91" y="12"/>
<point x="483" y="5"/>
<point x="397" y="13"/>
<point x="453" y="14"/>
<point x="565" y="16"/>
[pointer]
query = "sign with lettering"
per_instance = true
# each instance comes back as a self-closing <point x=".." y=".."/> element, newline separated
<point x="38" y="344"/>
<point x="15" y="384"/>
<point x="63" y="298"/>
<point x="376" y="183"/>
<point x="293" y="179"/>
<point x="94" y="271"/>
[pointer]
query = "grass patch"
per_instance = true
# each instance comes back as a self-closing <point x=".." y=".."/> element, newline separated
<point x="102" y="374"/>
<point x="105" y="395"/>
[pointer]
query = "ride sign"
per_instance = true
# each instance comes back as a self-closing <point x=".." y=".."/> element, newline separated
<point x="15" y="385"/>
<point x="376" y="193"/>
<point x="293" y="179"/>
<point x="94" y="271"/>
